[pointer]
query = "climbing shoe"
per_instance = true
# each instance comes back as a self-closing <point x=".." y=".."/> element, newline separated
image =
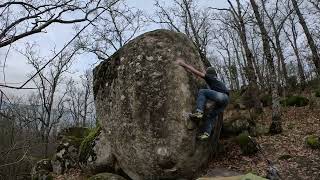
<point x="204" y="136"/>
<point x="197" y="115"/>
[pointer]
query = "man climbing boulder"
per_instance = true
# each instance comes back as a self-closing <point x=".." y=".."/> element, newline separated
<point x="216" y="92"/>
<point x="142" y="97"/>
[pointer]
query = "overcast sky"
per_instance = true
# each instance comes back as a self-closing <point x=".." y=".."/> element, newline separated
<point x="57" y="35"/>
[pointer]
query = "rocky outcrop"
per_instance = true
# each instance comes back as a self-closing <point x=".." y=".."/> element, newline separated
<point x="67" y="154"/>
<point x="42" y="170"/>
<point x="142" y="98"/>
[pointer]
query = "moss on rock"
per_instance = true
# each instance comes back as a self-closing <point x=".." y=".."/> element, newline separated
<point x="86" y="147"/>
<point x="297" y="101"/>
<point x="246" y="145"/>
<point x="67" y="153"/>
<point x="313" y="142"/>
<point x="106" y="176"/>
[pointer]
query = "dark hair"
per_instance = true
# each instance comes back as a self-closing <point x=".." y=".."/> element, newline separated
<point x="211" y="70"/>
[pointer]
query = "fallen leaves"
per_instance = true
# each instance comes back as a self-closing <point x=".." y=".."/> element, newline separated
<point x="287" y="150"/>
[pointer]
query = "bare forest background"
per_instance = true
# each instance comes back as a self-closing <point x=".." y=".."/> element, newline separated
<point x="265" y="45"/>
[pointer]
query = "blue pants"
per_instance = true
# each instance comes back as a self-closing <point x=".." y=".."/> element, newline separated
<point x="221" y="101"/>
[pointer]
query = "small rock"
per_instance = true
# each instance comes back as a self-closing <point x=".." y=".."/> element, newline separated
<point x="150" y="58"/>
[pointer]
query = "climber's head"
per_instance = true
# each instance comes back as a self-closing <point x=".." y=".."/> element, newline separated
<point x="211" y="71"/>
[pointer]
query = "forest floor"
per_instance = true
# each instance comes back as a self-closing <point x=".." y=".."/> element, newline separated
<point x="287" y="150"/>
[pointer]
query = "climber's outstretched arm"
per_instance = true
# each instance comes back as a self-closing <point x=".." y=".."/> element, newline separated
<point x="189" y="67"/>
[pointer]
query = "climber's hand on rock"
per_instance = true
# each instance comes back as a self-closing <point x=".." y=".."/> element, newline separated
<point x="180" y="61"/>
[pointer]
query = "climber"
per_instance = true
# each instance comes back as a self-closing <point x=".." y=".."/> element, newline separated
<point x="217" y="92"/>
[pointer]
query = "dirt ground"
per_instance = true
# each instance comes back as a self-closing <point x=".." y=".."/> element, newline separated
<point x="287" y="151"/>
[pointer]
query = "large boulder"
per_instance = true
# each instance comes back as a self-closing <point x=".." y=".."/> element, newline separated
<point x="142" y="98"/>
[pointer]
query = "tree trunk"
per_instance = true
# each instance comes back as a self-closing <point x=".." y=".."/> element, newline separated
<point x="238" y="17"/>
<point x="313" y="47"/>
<point x="279" y="53"/>
<point x="275" y="127"/>
<point x="236" y="46"/>
<point x="255" y="64"/>
<point x="294" y="45"/>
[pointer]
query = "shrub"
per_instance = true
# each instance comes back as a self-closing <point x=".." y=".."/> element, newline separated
<point x="297" y="101"/>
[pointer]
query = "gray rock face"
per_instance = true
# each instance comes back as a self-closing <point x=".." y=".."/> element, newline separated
<point x="142" y="98"/>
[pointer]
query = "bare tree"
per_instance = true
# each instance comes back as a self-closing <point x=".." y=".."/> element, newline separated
<point x="17" y="136"/>
<point x="184" y="16"/>
<point x="292" y="37"/>
<point x="277" y="27"/>
<point x="223" y="42"/>
<point x="239" y="21"/>
<point x="80" y="100"/>
<point x="313" y="47"/>
<point x="275" y="127"/>
<point x="239" y="25"/>
<point x="19" y="19"/>
<point x="112" y="30"/>
<point x="49" y="102"/>
<point x="315" y="4"/>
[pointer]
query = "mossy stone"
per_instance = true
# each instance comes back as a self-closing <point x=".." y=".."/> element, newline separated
<point x="297" y="101"/>
<point x="246" y="145"/>
<point x="313" y="142"/>
<point x="260" y="130"/>
<point x="86" y="147"/>
<point x="236" y="125"/>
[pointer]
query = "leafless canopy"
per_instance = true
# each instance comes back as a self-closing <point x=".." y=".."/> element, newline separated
<point x="36" y="15"/>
